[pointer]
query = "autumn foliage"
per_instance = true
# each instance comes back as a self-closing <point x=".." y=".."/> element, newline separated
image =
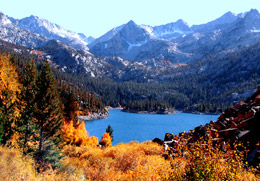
<point x="40" y="142"/>
<point x="106" y="140"/>
<point x="10" y="105"/>
<point x="123" y="162"/>
<point x="9" y="84"/>
<point x="77" y="135"/>
<point x="15" y="166"/>
<point x="149" y="161"/>
<point x="133" y="161"/>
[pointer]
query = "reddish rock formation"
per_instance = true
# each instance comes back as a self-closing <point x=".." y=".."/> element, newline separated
<point x="240" y="123"/>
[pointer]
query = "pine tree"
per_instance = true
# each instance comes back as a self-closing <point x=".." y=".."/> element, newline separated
<point x="48" y="114"/>
<point x="70" y="106"/>
<point x="29" y="92"/>
<point x="110" y="131"/>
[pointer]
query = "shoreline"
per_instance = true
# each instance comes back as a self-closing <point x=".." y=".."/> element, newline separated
<point x="150" y="112"/>
<point x="105" y="114"/>
<point x="202" y="113"/>
<point x="114" y="108"/>
<point x="94" y="116"/>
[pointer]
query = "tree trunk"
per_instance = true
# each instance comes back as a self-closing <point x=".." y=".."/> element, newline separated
<point x="26" y="136"/>
<point x="41" y="141"/>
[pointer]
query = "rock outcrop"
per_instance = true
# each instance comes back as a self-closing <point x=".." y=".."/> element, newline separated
<point x="239" y="124"/>
<point x="93" y="116"/>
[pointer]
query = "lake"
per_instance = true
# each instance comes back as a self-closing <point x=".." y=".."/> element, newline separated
<point x="142" y="127"/>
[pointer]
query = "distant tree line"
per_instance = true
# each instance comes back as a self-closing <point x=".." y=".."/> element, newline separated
<point x="212" y="90"/>
<point x="151" y="106"/>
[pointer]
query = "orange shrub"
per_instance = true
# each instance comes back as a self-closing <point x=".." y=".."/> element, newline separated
<point x="145" y="161"/>
<point x="124" y="162"/>
<point x="132" y="161"/>
<point x="77" y="135"/>
<point x="106" y="140"/>
<point x="15" y="166"/>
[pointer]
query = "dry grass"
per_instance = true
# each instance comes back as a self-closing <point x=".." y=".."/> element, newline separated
<point x="132" y="161"/>
<point x="13" y="166"/>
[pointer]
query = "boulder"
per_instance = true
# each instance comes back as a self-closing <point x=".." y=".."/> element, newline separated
<point x="168" y="137"/>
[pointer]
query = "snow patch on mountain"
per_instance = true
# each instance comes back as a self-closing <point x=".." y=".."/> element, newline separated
<point x="254" y="30"/>
<point x="148" y="29"/>
<point x="171" y="30"/>
<point x="50" y="30"/>
<point x="138" y="44"/>
<point x="110" y="34"/>
<point x="5" y="21"/>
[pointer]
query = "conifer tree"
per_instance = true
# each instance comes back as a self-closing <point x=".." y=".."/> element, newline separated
<point x="29" y="92"/>
<point x="109" y="130"/>
<point x="70" y="106"/>
<point x="49" y="115"/>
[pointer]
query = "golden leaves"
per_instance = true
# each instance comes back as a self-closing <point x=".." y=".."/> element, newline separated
<point x="8" y="80"/>
<point x="77" y="135"/>
<point x="106" y="140"/>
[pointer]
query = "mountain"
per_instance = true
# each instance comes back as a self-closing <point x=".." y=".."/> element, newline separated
<point x="107" y="36"/>
<point x="66" y="58"/>
<point x="177" y="42"/>
<point x="124" y="43"/>
<point x="145" y="53"/>
<point x="222" y="38"/>
<point x="172" y="29"/>
<point x="170" y="44"/>
<point x="13" y="34"/>
<point x="219" y="23"/>
<point x="62" y="56"/>
<point x="250" y="22"/>
<point x="141" y="42"/>
<point x="213" y="67"/>
<point x="85" y="38"/>
<point x="50" y="30"/>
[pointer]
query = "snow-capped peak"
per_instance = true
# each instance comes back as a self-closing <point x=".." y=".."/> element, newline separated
<point x="4" y="19"/>
<point x="148" y="29"/>
<point x="171" y="30"/>
<point x="252" y="14"/>
<point x="50" y="30"/>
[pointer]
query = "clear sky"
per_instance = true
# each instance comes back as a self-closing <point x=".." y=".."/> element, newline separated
<point x="96" y="17"/>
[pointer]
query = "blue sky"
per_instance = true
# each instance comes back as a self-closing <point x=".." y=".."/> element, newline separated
<point x="96" y="17"/>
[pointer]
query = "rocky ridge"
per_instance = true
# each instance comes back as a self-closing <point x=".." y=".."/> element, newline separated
<point x="94" y="116"/>
<point x="50" y="30"/>
<point x="237" y="125"/>
<point x="13" y="34"/>
<point x="177" y="42"/>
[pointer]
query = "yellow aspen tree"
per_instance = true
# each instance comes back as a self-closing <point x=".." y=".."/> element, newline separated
<point x="106" y="140"/>
<point x="10" y="89"/>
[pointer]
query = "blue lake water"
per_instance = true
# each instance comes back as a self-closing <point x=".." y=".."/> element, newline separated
<point x="142" y="127"/>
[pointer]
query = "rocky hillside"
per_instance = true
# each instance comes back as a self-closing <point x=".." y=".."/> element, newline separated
<point x="177" y="42"/>
<point x="238" y="126"/>
<point x="50" y="30"/>
<point x="13" y="34"/>
<point x="240" y="123"/>
<point x="217" y="62"/>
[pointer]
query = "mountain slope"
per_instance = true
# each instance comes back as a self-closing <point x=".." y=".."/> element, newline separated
<point x="172" y="30"/>
<point x="50" y="30"/>
<point x="177" y="42"/>
<point x="124" y="42"/>
<point x="219" y="23"/>
<point x="242" y="32"/>
<point x="11" y="33"/>
<point x="106" y="36"/>
<point x="140" y="42"/>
